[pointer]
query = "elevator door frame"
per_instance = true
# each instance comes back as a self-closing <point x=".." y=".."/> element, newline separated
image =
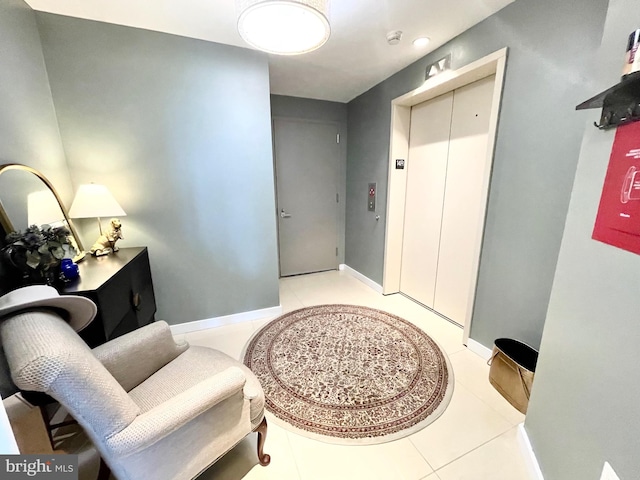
<point x="493" y="64"/>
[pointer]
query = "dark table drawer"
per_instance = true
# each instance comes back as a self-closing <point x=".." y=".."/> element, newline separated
<point x="120" y="285"/>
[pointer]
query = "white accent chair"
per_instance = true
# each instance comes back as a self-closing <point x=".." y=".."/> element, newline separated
<point x="154" y="408"/>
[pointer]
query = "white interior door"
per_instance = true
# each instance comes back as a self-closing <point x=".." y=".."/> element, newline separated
<point x="464" y="199"/>
<point x="426" y="171"/>
<point x="306" y="158"/>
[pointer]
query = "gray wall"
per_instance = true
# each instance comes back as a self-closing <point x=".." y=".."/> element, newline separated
<point x="584" y="406"/>
<point x="320" y="110"/>
<point x="537" y="146"/>
<point x="28" y="127"/>
<point x="179" y="130"/>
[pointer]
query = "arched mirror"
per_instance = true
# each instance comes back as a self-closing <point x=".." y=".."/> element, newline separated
<point x="28" y="198"/>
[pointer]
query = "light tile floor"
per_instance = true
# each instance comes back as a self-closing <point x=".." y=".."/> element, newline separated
<point x="475" y="438"/>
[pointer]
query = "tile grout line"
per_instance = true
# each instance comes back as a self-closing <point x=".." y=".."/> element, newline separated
<point x="431" y="475"/>
<point x="293" y="454"/>
<point x="296" y="296"/>
<point x="492" y="408"/>
<point x="433" y="470"/>
<point x="474" y="449"/>
<point x="469" y="388"/>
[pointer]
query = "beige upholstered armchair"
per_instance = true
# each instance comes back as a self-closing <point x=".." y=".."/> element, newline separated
<point x="154" y="409"/>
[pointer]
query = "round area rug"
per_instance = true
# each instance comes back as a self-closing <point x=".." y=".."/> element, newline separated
<point x="349" y="374"/>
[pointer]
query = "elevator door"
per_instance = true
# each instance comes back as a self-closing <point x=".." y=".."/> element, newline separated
<point x="446" y="194"/>
<point x="464" y="200"/>
<point x="426" y="172"/>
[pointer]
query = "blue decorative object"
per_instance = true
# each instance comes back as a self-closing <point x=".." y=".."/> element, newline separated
<point x="69" y="270"/>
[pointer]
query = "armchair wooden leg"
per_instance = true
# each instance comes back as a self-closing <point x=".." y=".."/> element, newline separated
<point x="263" y="458"/>
<point x="105" y="472"/>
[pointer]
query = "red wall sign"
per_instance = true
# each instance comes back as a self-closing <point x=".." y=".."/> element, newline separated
<point x="618" y="219"/>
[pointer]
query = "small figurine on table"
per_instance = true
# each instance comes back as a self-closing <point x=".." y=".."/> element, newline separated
<point x="106" y="243"/>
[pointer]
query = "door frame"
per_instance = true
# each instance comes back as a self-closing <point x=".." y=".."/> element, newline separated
<point x="340" y="181"/>
<point x="492" y="64"/>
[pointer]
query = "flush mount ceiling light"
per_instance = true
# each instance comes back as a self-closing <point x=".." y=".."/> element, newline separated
<point x="421" y="42"/>
<point x="284" y="27"/>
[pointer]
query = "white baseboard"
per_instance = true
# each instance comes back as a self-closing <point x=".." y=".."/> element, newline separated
<point x="530" y="456"/>
<point x="479" y="349"/>
<point x="366" y="280"/>
<point x="189" y="327"/>
<point x="341" y="266"/>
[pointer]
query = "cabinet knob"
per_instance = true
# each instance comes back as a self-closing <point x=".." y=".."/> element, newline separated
<point x="136" y="300"/>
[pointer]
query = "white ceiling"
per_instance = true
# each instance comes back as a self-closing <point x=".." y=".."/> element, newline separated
<point x="355" y="58"/>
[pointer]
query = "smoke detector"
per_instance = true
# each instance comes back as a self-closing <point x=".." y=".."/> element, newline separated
<point x="393" y="38"/>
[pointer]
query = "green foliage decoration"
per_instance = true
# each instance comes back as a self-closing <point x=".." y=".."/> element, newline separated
<point x="37" y="251"/>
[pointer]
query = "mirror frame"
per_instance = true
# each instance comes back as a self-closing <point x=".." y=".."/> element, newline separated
<point x="6" y="221"/>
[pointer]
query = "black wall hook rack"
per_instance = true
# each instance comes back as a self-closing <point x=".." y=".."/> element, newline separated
<point x="620" y="104"/>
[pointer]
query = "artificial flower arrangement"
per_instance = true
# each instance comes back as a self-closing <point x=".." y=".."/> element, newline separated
<point x="38" y="251"/>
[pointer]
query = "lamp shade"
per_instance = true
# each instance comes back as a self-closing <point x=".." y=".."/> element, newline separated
<point x="284" y="27"/>
<point x="93" y="201"/>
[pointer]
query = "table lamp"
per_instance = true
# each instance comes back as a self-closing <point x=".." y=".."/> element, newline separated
<point x="96" y="201"/>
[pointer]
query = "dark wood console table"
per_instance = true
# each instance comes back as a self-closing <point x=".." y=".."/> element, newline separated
<point x="120" y="285"/>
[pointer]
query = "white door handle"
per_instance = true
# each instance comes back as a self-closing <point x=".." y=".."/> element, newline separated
<point x="284" y="214"/>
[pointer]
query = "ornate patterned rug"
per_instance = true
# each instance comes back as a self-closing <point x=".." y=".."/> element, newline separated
<point x="349" y="374"/>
